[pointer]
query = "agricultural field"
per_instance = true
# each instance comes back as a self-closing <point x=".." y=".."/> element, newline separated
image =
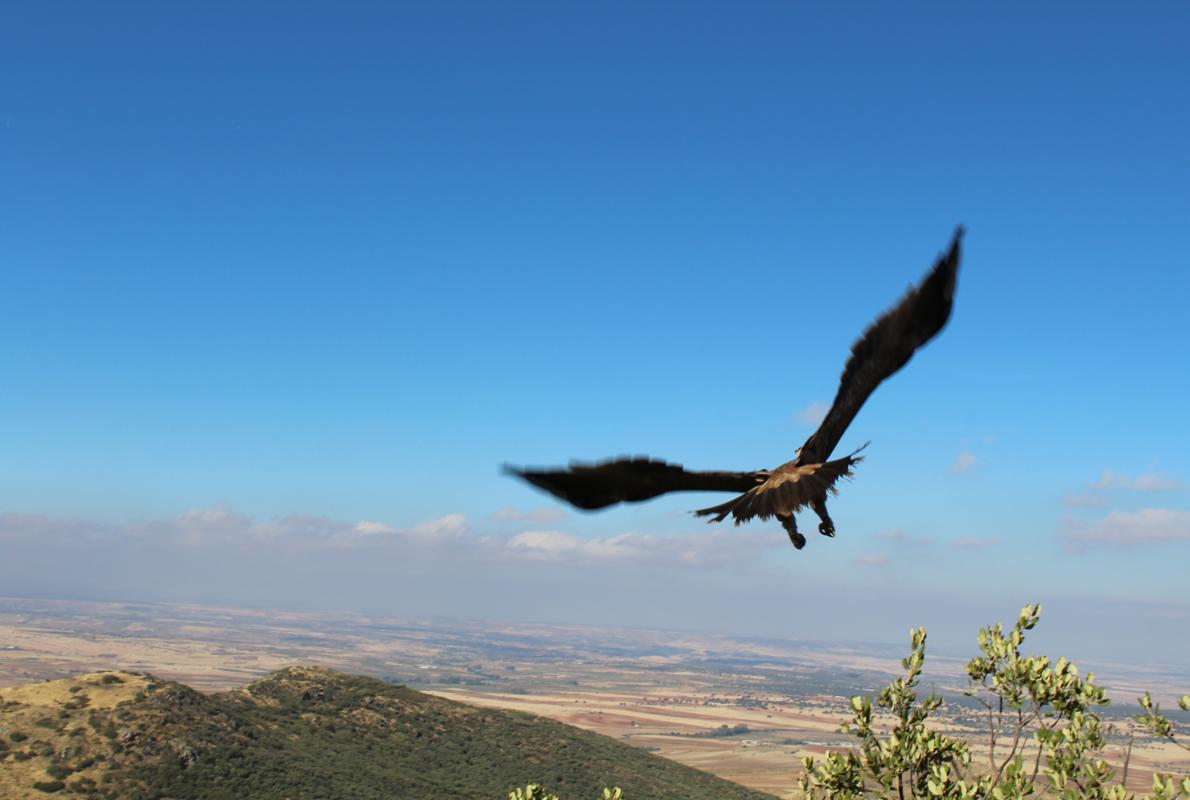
<point x="744" y="709"/>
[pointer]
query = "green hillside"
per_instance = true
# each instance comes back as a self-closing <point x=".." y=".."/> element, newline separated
<point x="308" y="733"/>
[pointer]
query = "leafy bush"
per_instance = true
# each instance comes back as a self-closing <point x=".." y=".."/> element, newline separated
<point x="58" y="770"/>
<point x="1027" y="699"/>
<point x="535" y="792"/>
<point x="725" y="730"/>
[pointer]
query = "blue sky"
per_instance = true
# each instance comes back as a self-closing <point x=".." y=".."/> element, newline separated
<point x="336" y="262"/>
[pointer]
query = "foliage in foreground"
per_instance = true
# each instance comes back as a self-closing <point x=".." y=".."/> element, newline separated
<point x="535" y="792"/>
<point x="1045" y="739"/>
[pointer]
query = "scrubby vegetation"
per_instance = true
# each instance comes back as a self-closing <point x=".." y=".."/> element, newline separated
<point x="535" y="792"/>
<point x="725" y="730"/>
<point x="1045" y="739"/>
<point x="312" y="733"/>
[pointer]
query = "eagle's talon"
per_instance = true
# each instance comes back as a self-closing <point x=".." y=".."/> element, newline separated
<point x="790" y="525"/>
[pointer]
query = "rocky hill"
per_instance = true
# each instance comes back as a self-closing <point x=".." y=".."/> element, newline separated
<point x="303" y="733"/>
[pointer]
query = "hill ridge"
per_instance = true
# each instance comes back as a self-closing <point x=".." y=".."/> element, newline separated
<point x="307" y="732"/>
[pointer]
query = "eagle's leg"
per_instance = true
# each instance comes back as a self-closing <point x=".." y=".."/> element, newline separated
<point x="789" y="523"/>
<point x="827" y="526"/>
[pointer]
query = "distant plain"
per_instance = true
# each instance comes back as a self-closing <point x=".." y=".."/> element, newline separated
<point x="670" y="692"/>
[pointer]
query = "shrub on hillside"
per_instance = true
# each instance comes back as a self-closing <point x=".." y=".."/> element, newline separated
<point x="1028" y="699"/>
<point x="535" y="792"/>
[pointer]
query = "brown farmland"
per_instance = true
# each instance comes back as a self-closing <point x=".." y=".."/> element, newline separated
<point x="671" y="693"/>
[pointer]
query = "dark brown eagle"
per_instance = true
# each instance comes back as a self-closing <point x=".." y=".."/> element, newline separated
<point x="886" y="346"/>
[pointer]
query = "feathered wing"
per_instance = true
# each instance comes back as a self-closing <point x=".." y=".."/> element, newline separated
<point x="790" y="487"/>
<point x="630" y="480"/>
<point x="886" y="346"/>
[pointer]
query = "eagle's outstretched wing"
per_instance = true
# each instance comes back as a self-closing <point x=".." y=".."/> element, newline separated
<point x="630" y="480"/>
<point x="886" y="346"/>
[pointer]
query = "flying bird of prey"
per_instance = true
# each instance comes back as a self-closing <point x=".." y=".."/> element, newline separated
<point x="886" y="346"/>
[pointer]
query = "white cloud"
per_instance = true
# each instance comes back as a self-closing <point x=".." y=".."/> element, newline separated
<point x="1096" y="495"/>
<point x="305" y="530"/>
<point x="713" y="548"/>
<point x="1149" y="482"/>
<point x="870" y="560"/>
<point x="1129" y="529"/>
<point x="964" y="463"/>
<point x="225" y="530"/>
<point x="813" y="414"/>
<point x="557" y="545"/>
<point x="222" y="527"/>
<point x="440" y="529"/>
<point x="367" y="528"/>
<point x="214" y="517"/>
<point x="545" y="542"/>
<point x="545" y="514"/>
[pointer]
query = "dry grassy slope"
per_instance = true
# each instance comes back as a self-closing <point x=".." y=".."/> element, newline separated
<point x="306" y="733"/>
<point x="44" y="724"/>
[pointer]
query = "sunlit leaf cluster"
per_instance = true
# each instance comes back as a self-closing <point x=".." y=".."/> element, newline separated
<point x="1045" y="739"/>
<point x="535" y="791"/>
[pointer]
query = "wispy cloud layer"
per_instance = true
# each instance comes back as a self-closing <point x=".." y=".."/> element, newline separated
<point x="1096" y="496"/>
<point x="449" y="528"/>
<point x="224" y="529"/>
<point x="707" y="549"/>
<point x="543" y="515"/>
<point x="1129" y="529"/>
<point x="1148" y="482"/>
<point x="870" y="560"/>
<point x="812" y="414"/>
<point x="963" y="463"/>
